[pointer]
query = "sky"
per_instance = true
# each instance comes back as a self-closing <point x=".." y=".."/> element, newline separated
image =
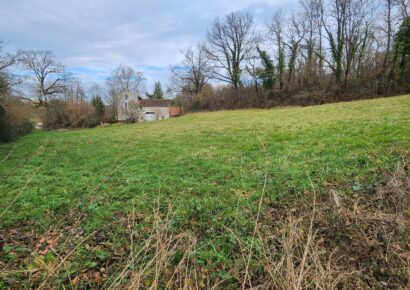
<point x="93" y="37"/>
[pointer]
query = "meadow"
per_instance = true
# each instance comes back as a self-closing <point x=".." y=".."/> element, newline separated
<point x="91" y="208"/>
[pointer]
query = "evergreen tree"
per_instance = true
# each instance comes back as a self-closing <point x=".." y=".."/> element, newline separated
<point x="267" y="73"/>
<point x="98" y="104"/>
<point x="402" y="42"/>
<point x="158" y="92"/>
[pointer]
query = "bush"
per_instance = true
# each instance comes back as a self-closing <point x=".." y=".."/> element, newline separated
<point x="81" y="115"/>
<point x="108" y="115"/>
<point x="14" y="119"/>
<point x="60" y="114"/>
<point x="55" y="116"/>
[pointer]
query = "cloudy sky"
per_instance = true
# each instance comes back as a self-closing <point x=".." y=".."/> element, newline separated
<point x="92" y="37"/>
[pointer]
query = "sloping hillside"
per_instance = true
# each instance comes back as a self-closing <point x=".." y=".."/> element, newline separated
<point x="194" y="201"/>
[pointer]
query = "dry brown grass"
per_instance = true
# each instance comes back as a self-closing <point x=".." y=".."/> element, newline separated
<point x="150" y="265"/>
<point x="334" y="243"/>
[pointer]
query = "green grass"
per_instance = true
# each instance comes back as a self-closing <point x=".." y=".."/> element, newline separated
<point x="208" y="166"/>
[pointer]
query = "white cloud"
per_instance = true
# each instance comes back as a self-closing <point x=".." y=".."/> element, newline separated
<point x="92" y="37"/>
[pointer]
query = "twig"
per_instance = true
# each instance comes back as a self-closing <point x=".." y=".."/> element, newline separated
<point x="256" y="222"/>
<point x="309" y="240"/>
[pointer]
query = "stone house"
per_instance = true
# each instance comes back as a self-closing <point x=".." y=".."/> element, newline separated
<point x="126" y="105"/>
<point x="132" y="107"/>
<point x="154" y="109"/>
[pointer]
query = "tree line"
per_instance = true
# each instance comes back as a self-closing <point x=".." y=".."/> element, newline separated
<point x="325" y="51"/>
<point x="58" y="96"/>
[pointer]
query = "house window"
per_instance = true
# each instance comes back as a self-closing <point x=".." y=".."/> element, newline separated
<point x="126" y="102"/>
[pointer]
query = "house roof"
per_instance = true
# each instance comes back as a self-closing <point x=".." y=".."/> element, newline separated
<point x="155" y="103"/>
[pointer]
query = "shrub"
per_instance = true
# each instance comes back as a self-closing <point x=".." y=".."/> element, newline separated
<point x="60" y="114"/>
<point x="81" y="115"/>
<point x="108" y="115"/>
<point x="55" y="116"/>
<point x="14" y="118"/>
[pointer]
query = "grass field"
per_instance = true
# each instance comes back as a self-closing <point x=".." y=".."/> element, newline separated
<point x="97" y="194"/>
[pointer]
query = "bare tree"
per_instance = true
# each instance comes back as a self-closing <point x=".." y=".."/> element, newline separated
<point x="404" y="8"/>
<point x="357" y="31"/>
<point x="113" y="101"/>
<point x="48" y="73"/>
<point x="254" y="71"/>
<point x="95" y="91"/>
<point x="7" y="59"/>
<point x="334" y="26"/>
<point x="296" y="33"/>
<point x="193" y="73"/>
<point x="312" y="42"/>
<point x="123" y="78"/>
<point x="74" y="91"/>
<point x="276" y="34"/>
<point x="231" y="43"/>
